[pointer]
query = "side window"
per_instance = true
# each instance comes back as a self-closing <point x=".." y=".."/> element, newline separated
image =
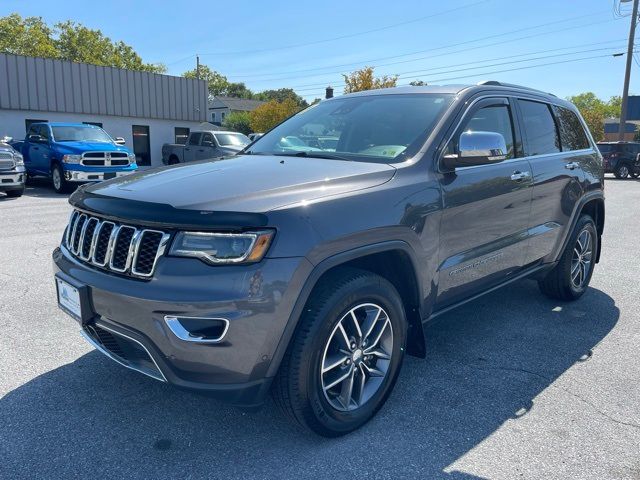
<point x="44" y="132"/>
<point x="492" y="118"/>
<point x="194" y="139"/>
<point x="572" y="134"/>
<point x="207" y="137"/>
<point x="540" y="128"/>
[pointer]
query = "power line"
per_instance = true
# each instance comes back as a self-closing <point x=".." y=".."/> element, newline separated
<point x="404" y="74"/>
<point x="350" y="35"/>
<point x="467" y="42"/>
<point x="436" y="80"/>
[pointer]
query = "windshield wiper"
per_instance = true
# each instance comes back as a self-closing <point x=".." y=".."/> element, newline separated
<point x="313" y="154"/>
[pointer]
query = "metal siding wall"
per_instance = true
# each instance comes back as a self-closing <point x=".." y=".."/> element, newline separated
<point x="5" y="96"/>
<point x="48" y="85"/>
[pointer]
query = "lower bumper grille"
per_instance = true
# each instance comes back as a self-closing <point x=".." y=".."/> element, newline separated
<point x="123" y="349"/>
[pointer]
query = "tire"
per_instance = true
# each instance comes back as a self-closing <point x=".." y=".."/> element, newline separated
<point x="622" y="171"/>
<point x="303" y="392"/>
<point x="15" y="193"/>
<point x="60" y="185"/>
<point x="561" y="282"/>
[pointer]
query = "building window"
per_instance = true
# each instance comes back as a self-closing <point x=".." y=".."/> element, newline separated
<point x="181" y="134"/>
<point x="213" y="117"/>
<point x="29" y="121"/>
<point x="95" y="124"/>
<point x="222" y="116"/>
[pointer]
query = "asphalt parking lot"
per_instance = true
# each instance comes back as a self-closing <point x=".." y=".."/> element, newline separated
<point x="514" y="385"/>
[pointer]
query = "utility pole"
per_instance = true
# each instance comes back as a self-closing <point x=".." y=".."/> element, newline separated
<point x="198" y="63"/>
<point x="627" y="73"/>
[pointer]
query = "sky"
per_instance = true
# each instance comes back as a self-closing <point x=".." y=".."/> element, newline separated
<point x="308" y="45"/>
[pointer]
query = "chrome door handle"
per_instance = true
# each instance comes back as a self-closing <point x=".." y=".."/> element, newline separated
<point x="517" y="176"/>
<point x="571" y="166"/>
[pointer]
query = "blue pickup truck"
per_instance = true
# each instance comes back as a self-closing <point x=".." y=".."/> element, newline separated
<point x="70" y="153"/>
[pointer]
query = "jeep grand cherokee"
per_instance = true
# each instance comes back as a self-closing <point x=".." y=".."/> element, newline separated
<point x="308" y="272"/>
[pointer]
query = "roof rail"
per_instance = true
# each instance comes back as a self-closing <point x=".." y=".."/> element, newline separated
<point x="502" y="84"/>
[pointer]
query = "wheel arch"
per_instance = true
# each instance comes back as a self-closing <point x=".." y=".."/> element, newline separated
<point x="382" y="259"/>
<point x="595" y="209"/>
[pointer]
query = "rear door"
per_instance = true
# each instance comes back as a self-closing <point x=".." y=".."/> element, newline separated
<point x="192" y="146"/>
<point x="559" y="151"/>
<point x="486" y="210"/>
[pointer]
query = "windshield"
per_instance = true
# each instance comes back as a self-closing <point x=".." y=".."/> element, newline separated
<point x="384" y="128"/>
<point x="232" y="139"/>
<point x="80" y="134"/>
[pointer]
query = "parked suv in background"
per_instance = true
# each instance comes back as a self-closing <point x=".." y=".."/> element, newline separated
<point x="12" y="172"/>
<point x="309" y="273"/>
<point x="73" y="153"/>
<point x="621" y="158"/>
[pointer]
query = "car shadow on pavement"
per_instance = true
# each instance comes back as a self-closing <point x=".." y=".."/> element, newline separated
<point x="41" y="187"/>
<point x="486" y="363"/>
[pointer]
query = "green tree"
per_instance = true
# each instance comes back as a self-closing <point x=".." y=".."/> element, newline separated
<point x="364" y="79"/>
<point x="239" y="90"/>
<point x="270" y="114"/>
<point x="29" y="36"/>
<point x="280" y="95"/>
<point x="418" y="83"/>
<point x="67" y="41"/>
<point x="217" y="83"/>
<point x="239" y="122"/>
<point x="594" y="111"/>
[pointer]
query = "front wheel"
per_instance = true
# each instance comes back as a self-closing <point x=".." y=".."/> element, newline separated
<point x="60" y="185"/>
<point x="346" y="353"/>
<point x="15" y="193"/>
<point x="571" y="276"/>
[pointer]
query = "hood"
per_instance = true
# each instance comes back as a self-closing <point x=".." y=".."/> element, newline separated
<point x="249" y="183"/>
<point x="81" y="147"/>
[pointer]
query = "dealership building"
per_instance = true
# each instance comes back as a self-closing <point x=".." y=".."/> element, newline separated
<point x="146" y="109"/>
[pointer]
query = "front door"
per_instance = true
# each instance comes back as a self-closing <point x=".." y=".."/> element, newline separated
<point x="483" y="234"/>
<point x="141" y="144"/>
<point x="208" y="148"/>
<point x="38" y="154"/>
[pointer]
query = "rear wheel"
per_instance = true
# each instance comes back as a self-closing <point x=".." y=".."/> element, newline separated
<point x="622" y="171"/>
<point x="345" y="355"/>
<point x="571" y="276"/>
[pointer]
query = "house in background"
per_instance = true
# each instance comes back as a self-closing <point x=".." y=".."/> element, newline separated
<point x="220" y="107"/>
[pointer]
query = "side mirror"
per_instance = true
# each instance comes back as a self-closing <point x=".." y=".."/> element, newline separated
<point x="119" y="141"/>
<point x="37" y="139"/>
<point x="207" y="143"/>
<point x="477" y="148"/>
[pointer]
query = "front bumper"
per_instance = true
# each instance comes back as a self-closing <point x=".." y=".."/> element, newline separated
<point x="93" y="176"/>
<point x="257" y="300"/>
<point x="12" y="179"/>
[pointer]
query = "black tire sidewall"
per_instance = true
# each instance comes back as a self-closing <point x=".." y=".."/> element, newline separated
<point x="583" y="222"/>
<point x="330" y="421"/>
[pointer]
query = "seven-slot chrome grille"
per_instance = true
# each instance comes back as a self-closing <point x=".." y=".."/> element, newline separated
<point x="116" y="247"/>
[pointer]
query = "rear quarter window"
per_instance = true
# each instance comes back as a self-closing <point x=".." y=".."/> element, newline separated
<point x="572" y="134"/>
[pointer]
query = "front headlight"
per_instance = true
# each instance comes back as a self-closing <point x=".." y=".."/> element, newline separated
<point x="132" y="157"/>
<point x="71" y="158"/>
<point x="18" y="159"/>
<point x="222" y="248"/>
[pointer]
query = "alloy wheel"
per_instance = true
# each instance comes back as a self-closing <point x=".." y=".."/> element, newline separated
<point x="57" y="180"/>
<point x="623" y="171"/>
<point x="356" y="357"/>
<point x="581" y="261"/>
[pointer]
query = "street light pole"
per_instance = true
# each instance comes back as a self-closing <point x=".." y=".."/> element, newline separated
<point x="627" y="73"/>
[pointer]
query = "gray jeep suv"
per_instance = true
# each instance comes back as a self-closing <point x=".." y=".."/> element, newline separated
<point x="308" y="272"/>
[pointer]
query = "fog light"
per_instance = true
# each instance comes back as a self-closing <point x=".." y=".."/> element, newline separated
<point x="198" y="329"/>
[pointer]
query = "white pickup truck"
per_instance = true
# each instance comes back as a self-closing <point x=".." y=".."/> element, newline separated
<point x="202" y="145"/>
